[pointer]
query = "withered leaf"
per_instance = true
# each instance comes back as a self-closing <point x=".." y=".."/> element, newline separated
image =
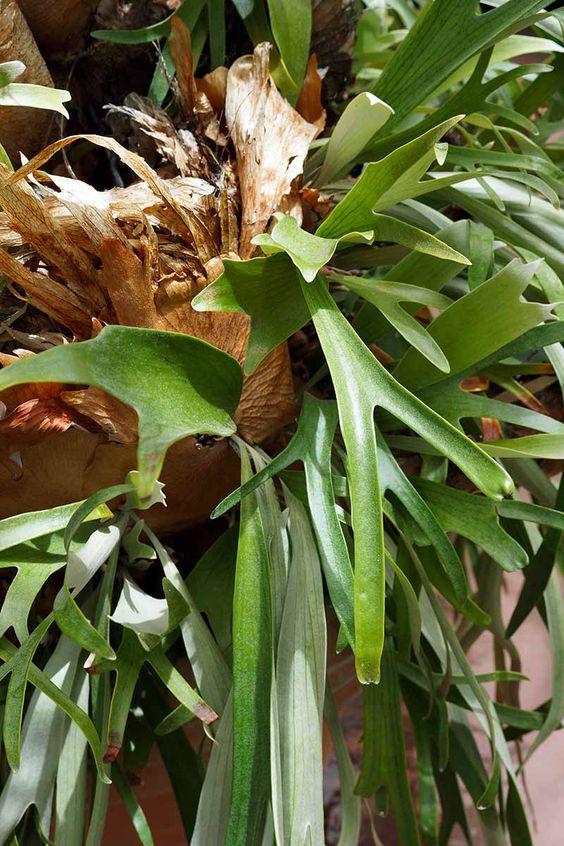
<point x="308" y="104"/>
<point x="270" y="138"/>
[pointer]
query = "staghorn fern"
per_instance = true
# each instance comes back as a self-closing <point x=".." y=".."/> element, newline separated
<point x="423" y="309"/>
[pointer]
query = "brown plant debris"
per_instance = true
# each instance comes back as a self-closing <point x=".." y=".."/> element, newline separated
<point x="22" y="129"/>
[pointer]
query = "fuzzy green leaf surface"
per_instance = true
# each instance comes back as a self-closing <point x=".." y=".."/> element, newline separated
<point x="178" y="385"/>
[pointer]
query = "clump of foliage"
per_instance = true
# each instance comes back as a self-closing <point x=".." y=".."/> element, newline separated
<point x="411" y="254"/>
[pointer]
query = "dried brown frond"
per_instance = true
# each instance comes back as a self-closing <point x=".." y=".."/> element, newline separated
<point x="137" y="256"/>
<point x="271" y="141"/>
<point x="22" y="129"/>
<point x="309" y="104"/>
<point x="57" y="24"/>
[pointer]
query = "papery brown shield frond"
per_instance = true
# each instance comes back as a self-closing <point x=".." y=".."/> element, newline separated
<point x="12" y="397"/>
<point x="33" y="418"/>
<point x="129" y="266"/>
<point x="125" y="273"/>
<point x="127" y="278"/>
<point x="22" y="129"/>
<point x="197" y="109"/>
<point x="34" y="341"/>
<point x="57" y="24"/>
<point x="29" y="413"/>
<point x="267" y="401"/>
<point x="49" y="296"/>
<point x="214" y="86"/>
<point x="315" y="206"/>
<point x="181" y="51"/>
<point x="69" y="466"/>
<point x="271" y="141"/>
<point x="115" y="418"/>
<point x="308" y="104"/>
<point x="122" y="202"/>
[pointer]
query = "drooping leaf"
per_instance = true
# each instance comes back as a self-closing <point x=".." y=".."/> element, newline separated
<point x="455" y="404"/>
<point x="361" y="383"/>
<point x="214" y="807"/>
<point x="423" y="729"/>
<point x="72" y="621"/>
<point x="466" y="762"/>
<point x="352" y="365"/>
<point x="130" y="658"/>
<point x="539" y="571"/>
<point x="35" y="524"/>
<point x="43" y="683"/>
<point x="517" y="824"/>
<point x="384" y="760"/>
<point x="300" y="687"/>
<point x="311" y="252"/>
<point x="530" y="446"/>
<point x="174" y="720"/>
<point x="150" y="617"/>
<point x="100" y="693"/>
<point x="428" y="271"/>
<point x="395" y="482"/>
<point x="308" y="252"/>
<point x="474" y="99"/>
<point x="275" y="522"/>
<point x="555" y="618"/>
<point x="252" y="663"/>
<point x="500" y="159"/>
<point x="35" y="564"/>
<point x="387" y="296"/>
<point x="387" y="228"/>
<point x="18" y="668"/>
<point x="179" y="687"/>
<point x="350" y="804"/>
<point x="178" y="385"/>
<point x="208" y="665"/>
<point x="70" y="796"/>
<point x="405" y="596"/>
<point x="312" y="444"/>
<point x="534" y="446"/>
<point x="211" y="585"/>
<point x="132" y="806"/>
<point x="252" y="286"/>
<point x="96" y="502"/>
<point x="444" y="640"/>
<point x="509" y="229"/>
<point x="179" y="758"/>
<point x="43" y="737"/>
<point x="452" y="805"/>
<point x="84" y="562"/>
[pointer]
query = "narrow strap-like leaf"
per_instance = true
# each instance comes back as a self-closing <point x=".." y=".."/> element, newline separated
<point x="252" y="664"/>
